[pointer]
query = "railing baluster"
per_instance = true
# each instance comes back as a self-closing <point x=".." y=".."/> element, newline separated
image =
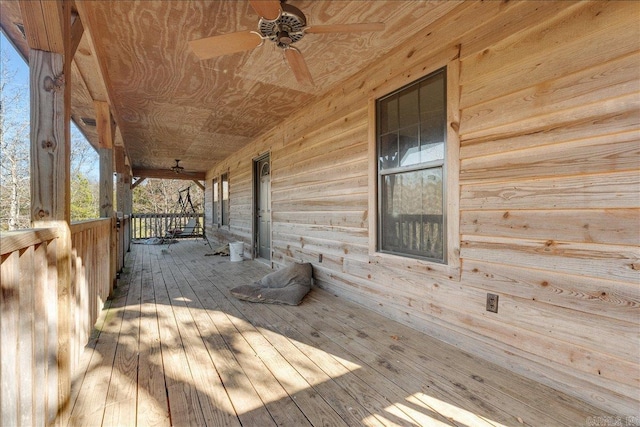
<point x="149" y="225"/>
<point x="30" y="329"/>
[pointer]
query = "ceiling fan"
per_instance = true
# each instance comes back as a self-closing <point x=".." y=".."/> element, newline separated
<point x="177" y="169"/>
<point x="282" y="24"/>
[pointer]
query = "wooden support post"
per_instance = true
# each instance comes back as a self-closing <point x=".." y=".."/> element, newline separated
<point x="104" y="124"/>
<point x="106" y="182"/>
<point x="124" y="194"/>
<point x="50" y="141"/>
<point x="113" y="250"/>
<point x="123" y="183"/>
<point x="50" y="105"/>
<point x="105" y="129"/>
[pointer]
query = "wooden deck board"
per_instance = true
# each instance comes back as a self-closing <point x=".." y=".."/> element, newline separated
<point x="153" y="408"/>
<point x="173" y="348"/>
<point x="241" y="396"/>
<point x="90" y="404"/>
<point x="184" y="405"/>
<point x="535" y="397"/>
<point x="445" y="383"/>
<point x="315" y="406"/>
<point x="121" y="404"/>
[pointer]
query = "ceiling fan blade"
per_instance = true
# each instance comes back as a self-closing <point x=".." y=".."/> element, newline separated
<point x="298" y="66"/>
<point x="210" y="47"/>
<point x="268" y="9"/>
<point x="345" y="28"/>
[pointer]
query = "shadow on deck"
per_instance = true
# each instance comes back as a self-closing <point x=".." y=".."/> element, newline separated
<point x="172" y="347"/>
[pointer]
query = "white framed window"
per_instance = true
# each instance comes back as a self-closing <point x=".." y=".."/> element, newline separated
<point x="224" y="179"/>
<point x="414" y="168"/>
<point x="215" y="190"/>
<point x="411" y="137"/>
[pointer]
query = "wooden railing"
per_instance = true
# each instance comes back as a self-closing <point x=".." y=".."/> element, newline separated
<point x="28" y="328"/>
<point x="145" y="226"/>
<point x="93" y="269"/>
<point x="45" y="320"/>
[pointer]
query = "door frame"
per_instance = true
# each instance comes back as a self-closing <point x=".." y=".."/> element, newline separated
<point x="255" y="223"/>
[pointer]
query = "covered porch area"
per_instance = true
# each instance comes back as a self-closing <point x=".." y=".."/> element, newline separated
<point x="172" y="347"/>
<point x="528" y="189"/>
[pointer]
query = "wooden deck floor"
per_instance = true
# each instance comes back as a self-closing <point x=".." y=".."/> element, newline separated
<point x="173" y="348"/>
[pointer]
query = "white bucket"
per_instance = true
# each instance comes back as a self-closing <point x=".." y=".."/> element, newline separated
<point x="236" y="250"/>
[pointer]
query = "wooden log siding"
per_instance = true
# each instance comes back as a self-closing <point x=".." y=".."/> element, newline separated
<point x="549" y="203"/>
<point x="30" y="330"/>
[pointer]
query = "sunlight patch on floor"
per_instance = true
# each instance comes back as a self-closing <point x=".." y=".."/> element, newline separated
<point x="452" y="412"/>
<point x="407" y="415"/>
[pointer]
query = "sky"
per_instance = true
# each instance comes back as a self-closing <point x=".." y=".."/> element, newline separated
<point x="15" y="61"/>
<point x="21" y="81"/>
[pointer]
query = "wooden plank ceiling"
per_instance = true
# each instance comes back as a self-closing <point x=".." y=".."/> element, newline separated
<point x="168" y="104"/>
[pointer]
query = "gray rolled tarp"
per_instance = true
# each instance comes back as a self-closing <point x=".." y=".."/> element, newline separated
<point x="288" y="285"/>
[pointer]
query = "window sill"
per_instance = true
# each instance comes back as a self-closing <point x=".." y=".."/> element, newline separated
<point x="428" y="268"/>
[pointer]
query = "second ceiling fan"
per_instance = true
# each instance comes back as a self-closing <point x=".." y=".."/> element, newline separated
<point x="179" y="170"/>
<point x="282" y="24"/>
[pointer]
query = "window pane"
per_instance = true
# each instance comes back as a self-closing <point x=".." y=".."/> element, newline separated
<point x="216" y="196"/>
<point x="432" y="114"/>
<point x="225" y="199"/>
<point x="412" y="213"/>
<point x="408" y="107"/>
<point x="431" y="152"/>
<point x="409" y="146"/>
<point x="388" y="111"/>
<point x="388" y="151"/>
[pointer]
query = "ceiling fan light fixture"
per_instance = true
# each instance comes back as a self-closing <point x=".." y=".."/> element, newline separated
<point x="282" y="24"/>
<point x="177" y="168"/>
<point x="286" y="29"/>
<point x="284" y="39"/>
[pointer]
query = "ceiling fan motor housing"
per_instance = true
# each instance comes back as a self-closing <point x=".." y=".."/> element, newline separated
<point x="177" y="168"/>
<point x="288" y="28"/>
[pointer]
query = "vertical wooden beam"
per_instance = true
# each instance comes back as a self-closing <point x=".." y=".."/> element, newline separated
<point x="50" y="148"/>
<point x="125" y="200"/>
<point x="106" y="182"/>
<point x="123" y="193"/>
<point x="105" y="142"/>
<point x="124" y="197"/>
<point x="119" y="158"/>
<point x="49" y="33"/>
<point x="50" y="188"/>
<point x="113" y="254"/>
<point x="104" y="124"/>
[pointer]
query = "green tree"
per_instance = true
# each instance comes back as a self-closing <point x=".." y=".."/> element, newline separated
<point x="83" y="202"/>
<point x="84" y="188"/>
